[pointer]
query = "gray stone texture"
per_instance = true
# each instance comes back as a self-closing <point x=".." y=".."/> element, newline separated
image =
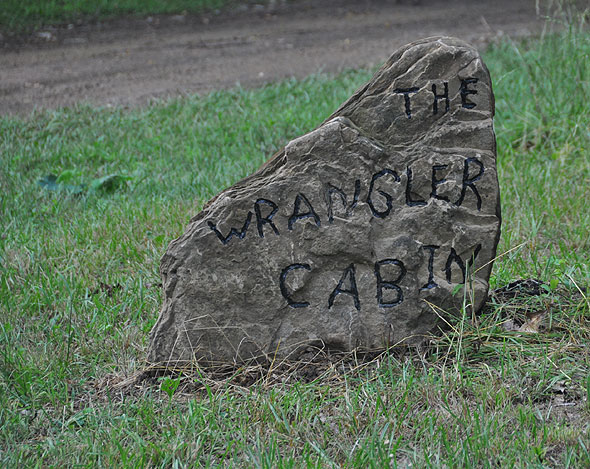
<point x="353" y="234"/>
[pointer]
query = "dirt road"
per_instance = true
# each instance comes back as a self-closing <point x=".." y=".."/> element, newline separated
<point x="131" y="61"/>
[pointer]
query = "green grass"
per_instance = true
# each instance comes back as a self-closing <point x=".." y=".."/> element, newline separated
<point x="79" y="291"/>
<point x="19" y="15"/>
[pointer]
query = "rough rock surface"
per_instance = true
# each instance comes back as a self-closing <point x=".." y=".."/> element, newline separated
<point x="353" y="234"/>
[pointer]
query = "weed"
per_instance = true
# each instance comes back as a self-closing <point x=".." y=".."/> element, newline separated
<point x="17" y="16"/>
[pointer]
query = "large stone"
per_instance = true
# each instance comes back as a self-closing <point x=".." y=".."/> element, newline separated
<point x="352" y="235"/>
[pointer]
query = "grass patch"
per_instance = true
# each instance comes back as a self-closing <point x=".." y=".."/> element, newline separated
<point x="79" y="291"/>
<point x="20" y="16"/>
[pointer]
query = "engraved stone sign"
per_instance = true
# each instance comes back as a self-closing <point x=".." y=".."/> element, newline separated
<point x="349" y="236"/>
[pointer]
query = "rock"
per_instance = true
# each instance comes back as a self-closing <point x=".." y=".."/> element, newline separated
<point x="75" y="41"/>
<point x="46" y="36"/>
<point x="352" y="235"/>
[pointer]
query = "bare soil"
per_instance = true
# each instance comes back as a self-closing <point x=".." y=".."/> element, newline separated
<point x="131" y="61"/>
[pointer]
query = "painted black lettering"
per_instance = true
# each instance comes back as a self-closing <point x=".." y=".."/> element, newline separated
<point x="388" y="198"/>
<point x="406" y="92"/>
<point x="298" y="215"/>
<point x="389" y="284"/>
<point x="232" y="232"/>
<point x="260" y="220"/>
<point x="351" y="290"/>
<point x="409" y="201"/>
<point x="465" y="91"/>
<point x="431" y="283"/>
<point x="436" y="182"/>
<point x="469" y="181"/>
<point x="330" y="190"/>
<point x="454" y="257"/>
<point x="444" y="96"/>
<point x="282" y="280"/>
